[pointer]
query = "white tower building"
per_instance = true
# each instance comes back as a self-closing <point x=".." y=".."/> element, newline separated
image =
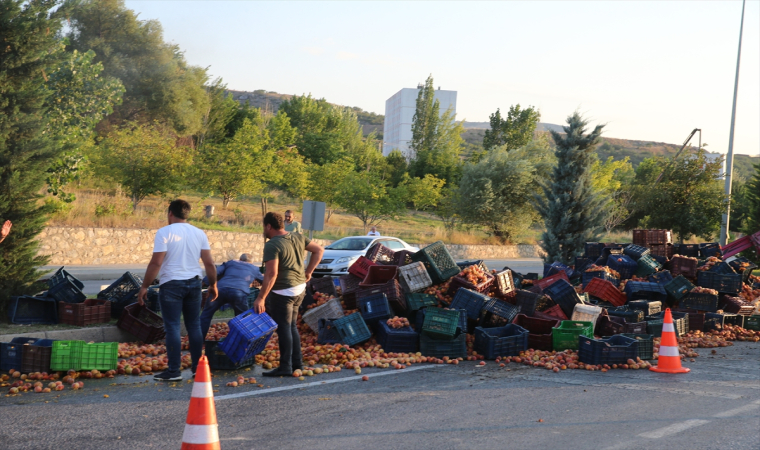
<point x="399" y="111"/>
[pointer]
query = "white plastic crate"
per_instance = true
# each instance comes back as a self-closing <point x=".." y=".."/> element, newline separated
<point x="586" y="313"/>
<point x="414" y="277"/>
<point x="330" y="310"/>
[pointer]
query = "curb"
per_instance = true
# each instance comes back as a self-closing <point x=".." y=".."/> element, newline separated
<point x="91" y="334"/>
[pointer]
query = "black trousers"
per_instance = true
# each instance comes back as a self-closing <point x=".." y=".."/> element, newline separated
<point x="284" y="311"/>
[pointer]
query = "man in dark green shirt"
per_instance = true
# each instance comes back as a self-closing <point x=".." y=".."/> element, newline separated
<point x="283" y="288"/>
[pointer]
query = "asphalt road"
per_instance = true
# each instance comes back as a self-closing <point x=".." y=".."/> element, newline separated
<point x="716" y="406"/>
<point x="94" y="277"/>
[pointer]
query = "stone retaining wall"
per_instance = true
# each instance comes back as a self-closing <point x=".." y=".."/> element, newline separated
<point x="103" y="246"/>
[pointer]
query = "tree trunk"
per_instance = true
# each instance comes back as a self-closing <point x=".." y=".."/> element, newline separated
<point x="263" y="207"/>
<point x="225" y="201"/>
<point x="329" y="214"/>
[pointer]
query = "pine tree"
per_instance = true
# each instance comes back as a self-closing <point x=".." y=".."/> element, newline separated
<point x="573" y="211"/>
<point x="30" y="54"/>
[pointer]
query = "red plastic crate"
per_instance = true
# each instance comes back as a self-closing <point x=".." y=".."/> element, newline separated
<point x="544" y="283"/>
<point x="461" y="282"/>
<point x="86" y="313"/>
<point x="142" y="323"/>
<point x="378" y="275"/>
<point x="604" y="290"/>
<point x="361" y="267"/>
<point x="555" y="312"/>
<point x="680" y="265"/>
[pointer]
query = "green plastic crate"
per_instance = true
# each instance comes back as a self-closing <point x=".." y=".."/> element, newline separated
<point x="647" y="266"/>
<point x="752" y="323"/>
<point x="440" y="323"/>
<point x="66" y="355"/>
<point x="565" y="336"/>
<point x="416" y="301"/>
<point x="438" y="262"/>
<point x="678" y="288"/>
<point x="101" y="356"/>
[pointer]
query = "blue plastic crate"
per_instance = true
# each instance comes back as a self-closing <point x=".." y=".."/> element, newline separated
<point x="374" y="308"/>
<point x="471" y="301"/>
<point x="580" y="265"/>
<point x="248" y="336"/>
<point x="327" y="333"/>
<point x="352" y="328"/>
<point x="644" y="290"/>
<point x="397" y="340"/>
<point x="11" y="352"/>
<point x="593" y="250"/>
<point x="729" y="283"/>
<point x="556" y="267"/>
<point x="663" y="277"/>
<point x="604" y="275"/>
<point x="32" y="310"/>
<point x="508" y="340"/>
<point x="564" y="295"/>
<point x="65" y="287"/>
<point x="623" y="264"/>
<point x="497" y="313"/>
<point x="613" y="350"/>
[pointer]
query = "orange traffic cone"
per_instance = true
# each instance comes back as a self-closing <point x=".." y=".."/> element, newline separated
<point x="669" y="360"/>
<point x="201" y="432"/>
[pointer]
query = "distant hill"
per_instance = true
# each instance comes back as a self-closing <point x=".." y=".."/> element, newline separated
<point x="636" y="151"/>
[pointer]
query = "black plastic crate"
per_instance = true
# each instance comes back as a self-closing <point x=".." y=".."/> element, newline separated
<point x="65" y="287"/>
<point x="613" y="350"/>
<point x="397" y="340"/>
<point x="11" y="353"/>
<point x="722" y="268"/>
<point x="707" y="250"/>
<point x="680" y="321"/>
<point x="691" y="250"/>
<point x="438" y="348"/>
<point x="527" y="302"/>
<point x="218" y="360"/>
<point x="603" y="274"/>
<point x="27" y="310"/>
<point x="36" y="357"/>
<point x="121" y="293"/>
<point x="635" y="251"/>
<point x="646" y="344"/>
<point x="661" y="277"/>
<point x="564" y="295"/>
<point x="644" y="290"/>
<point x="374" y="308"/>
<point x="327" y="333"/>
<point x="471" y="301"/>
<point x="700" y="302"/>
<point x="508" y="340"/>
<point x="497" y="313"/>
<point x="679" y="287"/>
<point x="580" y="265"/>
<point x="647" y="307"/>
<point x="723" y="283"/>
<point x="629" y="314"/>
<point x="623" y="264"/>
<point x="696" y="319"/>
<point x="593" y="250"/>
<point x="743" y="266"/>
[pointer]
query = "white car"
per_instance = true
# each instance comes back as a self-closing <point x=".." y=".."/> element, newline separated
<point x="341" y="254"/>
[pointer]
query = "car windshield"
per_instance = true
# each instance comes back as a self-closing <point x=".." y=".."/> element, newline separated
<point x="349" y="244"/>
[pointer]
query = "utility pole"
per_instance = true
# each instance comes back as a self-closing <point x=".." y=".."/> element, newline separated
<point x="730" y="155"/>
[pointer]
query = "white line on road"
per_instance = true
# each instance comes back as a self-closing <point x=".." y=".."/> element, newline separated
<point x="741" y="410"/>
<point x="673" y="429"/>
<point x="320" y="383"/>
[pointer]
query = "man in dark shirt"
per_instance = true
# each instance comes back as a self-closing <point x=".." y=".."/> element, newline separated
<point x="283" y="288"/>
<point x="234" y="285"/>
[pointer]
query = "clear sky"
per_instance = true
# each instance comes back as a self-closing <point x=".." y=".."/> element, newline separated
<point x="650" y="70"/>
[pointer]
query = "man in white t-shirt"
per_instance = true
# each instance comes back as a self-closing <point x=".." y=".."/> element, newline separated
<point x="176" y="250"/>
<point x="373" y="232"/>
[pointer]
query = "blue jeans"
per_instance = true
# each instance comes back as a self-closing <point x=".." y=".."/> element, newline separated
<point x="181" y="298"/>
<point x="234" y="297"/>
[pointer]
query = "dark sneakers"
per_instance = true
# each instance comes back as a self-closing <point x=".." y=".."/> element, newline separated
<point x="278" y="373"/>
<point x="168" y="376"/>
